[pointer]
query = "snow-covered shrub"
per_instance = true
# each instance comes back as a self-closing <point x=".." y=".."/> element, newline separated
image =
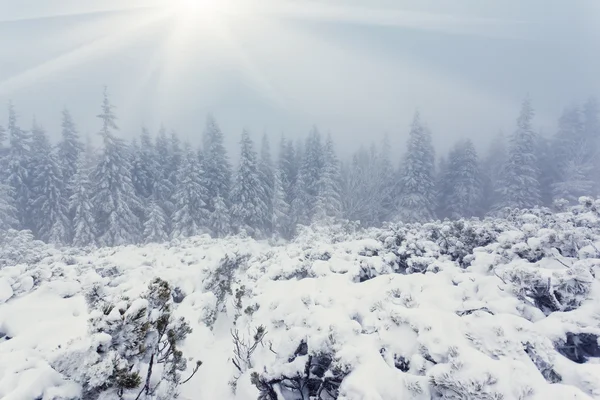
<point x="220" y="282"/>
<point x="20" y="247"/>
<point x="134" y="347"/>
<point x="306" y="375"/>
<point x="550" y="290"/>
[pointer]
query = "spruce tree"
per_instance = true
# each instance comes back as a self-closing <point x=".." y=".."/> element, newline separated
<point x="288" y="169"/>
<point x="309" y="175"/>
<point x="219" y="220"/>
<point x="462" y="194"/>
<point x="114" y="196"/>
<point x="217" y="169"/>
<point x="248" y="209"/>
<point x="155" y="226"/>
<point x="163" y="184"/>
<point x="49" y="206"/>
<point x="70" y="149"/>
<point x="492" y="167"/>
<point x="280" y="218"/>
<point x="416" y="200"/>
<point x="8" y="211"/>
<point x="267" y="184"/>
<point x="328" y="202"/>
<point x="520" y="187"/>
<point x="18" y="164"/>
<point x="190" y="198"/>
<point x="591" y="129"/>
<point x="80" y="204"/>
<point x="387" y="185"/>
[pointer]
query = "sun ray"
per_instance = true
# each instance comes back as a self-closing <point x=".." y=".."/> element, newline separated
<point x="117" y="39"/>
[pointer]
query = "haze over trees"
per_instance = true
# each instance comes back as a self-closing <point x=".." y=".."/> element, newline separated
<point x="155" y="188"/>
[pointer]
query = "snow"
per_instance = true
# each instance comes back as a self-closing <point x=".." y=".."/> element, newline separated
<point x="466" y="324"/>
<point x="6" y="291"/>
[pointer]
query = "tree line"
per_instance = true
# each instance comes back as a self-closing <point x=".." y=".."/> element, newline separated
<point x="152" y="189"/>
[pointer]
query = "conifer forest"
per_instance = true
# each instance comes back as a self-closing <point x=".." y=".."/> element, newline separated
<point x="156" y="187"/>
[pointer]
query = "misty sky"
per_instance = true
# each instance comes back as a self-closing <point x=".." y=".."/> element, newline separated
<point x="355" y="68"/>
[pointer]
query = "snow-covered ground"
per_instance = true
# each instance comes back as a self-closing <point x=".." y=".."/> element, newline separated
<point x="498" y="309"/>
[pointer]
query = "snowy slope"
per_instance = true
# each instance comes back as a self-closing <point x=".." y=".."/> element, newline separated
<point x="497" y="309"/>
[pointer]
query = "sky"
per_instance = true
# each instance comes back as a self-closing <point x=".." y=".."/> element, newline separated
<point x="356" y="69"/>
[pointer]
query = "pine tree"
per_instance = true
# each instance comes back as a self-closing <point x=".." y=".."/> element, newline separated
<point x="80" y="204"/>
<point x="328" y="202"/>
<point x="163" y="185"/>
<point x="416" y="200"/>
<point x="359" y="188"/>
<point x="462" y="183"/>
<point x="267" y="179"/>
<point x="69" y="149"/>
<point x="8" y="211"/>
<point x="217" y="169"/>
<point x="155" y="226"/>
<point x="281" y="220"/>
<point x="18" y="160"/>
<point x="387" y="185"/>
<point x="218" y="220"/>
<point x="307" y="184"/>
<point x="146" y="166"/>
<point x="175" y="155"/>
<point x="190" y="198"/>
<point x="591" y="129"/>
<point x="49" y="206"/>
<point x="248" y="209"/>
<point x="114" y="197"/>
<point x="520" y="187"/>
<point x="288" y="169"/>
<point x="492" y="167"/>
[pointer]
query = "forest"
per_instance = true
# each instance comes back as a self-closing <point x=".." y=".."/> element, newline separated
<point x="156" y="187"/>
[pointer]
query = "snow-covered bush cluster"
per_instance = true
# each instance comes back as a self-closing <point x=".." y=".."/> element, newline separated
<point x="502" y="308"/>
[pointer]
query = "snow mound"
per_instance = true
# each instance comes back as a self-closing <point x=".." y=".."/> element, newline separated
<point x="495" y="309"/>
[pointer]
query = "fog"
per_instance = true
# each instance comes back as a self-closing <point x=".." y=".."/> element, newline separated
<point x="356" y="69"/>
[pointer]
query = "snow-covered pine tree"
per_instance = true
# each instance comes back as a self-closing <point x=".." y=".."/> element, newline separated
<point x="282" y="224"/>
<point x="462" y="194"/>
<point x="217" y="169"/>
<point x="328" y="202"/>
<point x="491" y="167"/>
<point x="521" y="188"/>
<point x="147" y="166"/>
<point x="309" y="174"/>
<point x="248" y="209"/>
<point x="267" y="179"/>
<point x="114" y="196"/>
<point x="2" y="136"/>
<point x="49" y="206"/>
<point x="591" y="130"/>
<point x="70" y="148"/>
<point x="155" y="226"/>
<point x="190" y="198"/>
<point x="359" y="199"/>
<point x="175" y="155"/>
<point x="8" y="211"/>
<point x="80" y="204"/>
<point x="442" y="187"/>
<point x="387" y="185"/>
<point x="18" y="160"/>
<point x="163" y="185"/>
<point x="574" y="156"/>
<point x="416" y="199"/>
<point x="219" y="220"/>
<point x="288" y="169"/>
